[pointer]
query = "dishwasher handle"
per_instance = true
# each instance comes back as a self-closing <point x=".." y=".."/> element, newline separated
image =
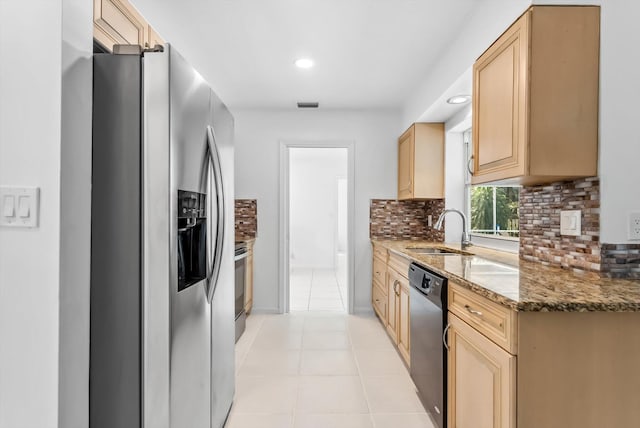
<point x="444" y="336"/>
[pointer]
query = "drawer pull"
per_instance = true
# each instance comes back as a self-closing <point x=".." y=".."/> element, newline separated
<point x="472" y="311"/>
<point x="396" y="283"/>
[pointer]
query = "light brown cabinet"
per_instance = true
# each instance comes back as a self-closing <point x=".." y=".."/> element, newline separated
<point x="535" y="99"/>
<point x="404" y="322"/>
<point x="118" y="22"/>
<point x="379" y="283"/>
<point x="390" y="298"/>
<point x="539" y="369"/>
<point x="248" y="287"/>
<point x="421" y="162"/>
<point x="482" y="380"/>
<point x="393" y="304"/>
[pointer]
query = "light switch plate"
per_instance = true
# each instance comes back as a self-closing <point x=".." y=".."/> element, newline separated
<point x="571" y="223"/>
<point x="19" y="206"/>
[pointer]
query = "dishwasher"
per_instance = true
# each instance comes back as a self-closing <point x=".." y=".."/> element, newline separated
<point x="428" y="318"/>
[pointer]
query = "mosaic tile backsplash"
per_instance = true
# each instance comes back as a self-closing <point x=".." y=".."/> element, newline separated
<point x="620" y="260"/>
<point x="540" y="239"/>
<point x="393" y="219"/>
<point x="246" y="211"/>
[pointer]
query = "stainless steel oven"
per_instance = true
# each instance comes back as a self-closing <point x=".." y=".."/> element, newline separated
<point x="241" y="276"/>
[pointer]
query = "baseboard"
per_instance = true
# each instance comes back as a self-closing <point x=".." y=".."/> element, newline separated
<point x="363" y="310"/>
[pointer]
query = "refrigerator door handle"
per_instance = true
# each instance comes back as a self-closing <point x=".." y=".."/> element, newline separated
<point x="216" y="257"/>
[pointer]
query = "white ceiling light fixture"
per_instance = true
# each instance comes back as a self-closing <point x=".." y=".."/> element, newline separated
<point x="304" y="63"/>
<point x="459" y="99"/>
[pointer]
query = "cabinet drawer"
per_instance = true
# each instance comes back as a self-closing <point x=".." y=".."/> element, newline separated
<point x="399" y="264"/>
<point x="379" y="300"/>
<point x="494" y="321"/>
<point x="379" y="271"/>
<point x="380" y="253"/>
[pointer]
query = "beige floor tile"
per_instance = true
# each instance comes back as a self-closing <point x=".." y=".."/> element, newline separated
<point x="284" y="339"/>
<point x="263" y="362"/>
<point x="280" y="323"/>
<point x="319" y="322"/>
<point x="325" y="340"/>
<point x="325" y="293"/>
<point x="403" y="420"/>
<point x="380" y="362"/>
<point x="391" y="394"/>
<point x="322" y="304"/>
<point x="361" y="420"/>
<point x="258" y="420"/>
<point x="265" y="394"/>
<point x="331" y="394"/>
<point x="329" y="363"/>
<point x="370" y="338"/>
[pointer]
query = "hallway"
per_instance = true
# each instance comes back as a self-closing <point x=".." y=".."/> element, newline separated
<point x="319" y="370"/>
<point x="317" y="290"/>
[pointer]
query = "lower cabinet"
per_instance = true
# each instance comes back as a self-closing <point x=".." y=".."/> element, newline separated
<point x="534" y="369"/>
<point x="393" y="304"/>
<point x="404" y="322"/>
<point x="248" y="289"/>
<point x="482" y="380"/>
<point x="390" y="300"/>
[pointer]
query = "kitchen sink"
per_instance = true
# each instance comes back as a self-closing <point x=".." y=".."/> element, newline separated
<point x="435" y="251"/>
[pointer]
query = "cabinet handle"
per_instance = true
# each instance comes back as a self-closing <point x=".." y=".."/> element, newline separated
<point x="395" y="284"/>
<point x="472" y="311"/>
<point x="444" y="336"/>
<point x="469" y="165"/>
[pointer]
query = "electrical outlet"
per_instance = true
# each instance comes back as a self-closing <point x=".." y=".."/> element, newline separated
<point x="634" y="226"/>
<point x="429" y="220"/>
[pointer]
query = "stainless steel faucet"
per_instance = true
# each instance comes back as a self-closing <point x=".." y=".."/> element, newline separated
<point x="466" y="239"/>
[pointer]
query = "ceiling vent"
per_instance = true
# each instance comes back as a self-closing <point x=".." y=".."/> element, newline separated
<point x="308" y="105"/>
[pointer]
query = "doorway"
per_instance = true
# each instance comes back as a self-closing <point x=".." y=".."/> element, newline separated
<point x="316" y="215"/>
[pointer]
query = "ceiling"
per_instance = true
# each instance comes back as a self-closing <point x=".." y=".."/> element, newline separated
<point x="367" y="53"/>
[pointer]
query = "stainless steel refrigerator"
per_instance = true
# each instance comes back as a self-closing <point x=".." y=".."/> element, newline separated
<point x="162" y="285"/>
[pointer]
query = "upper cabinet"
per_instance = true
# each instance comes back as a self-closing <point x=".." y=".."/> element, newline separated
<point x="117" y="22"/>
<point x="535" y="99"/>
<point x="421" y="162"/>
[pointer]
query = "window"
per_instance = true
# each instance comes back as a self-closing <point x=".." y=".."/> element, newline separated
<point x="492" y="210"/>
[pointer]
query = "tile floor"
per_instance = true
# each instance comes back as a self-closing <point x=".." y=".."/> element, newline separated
<point x="317" y="290"/>
<point x="321" y="370"/>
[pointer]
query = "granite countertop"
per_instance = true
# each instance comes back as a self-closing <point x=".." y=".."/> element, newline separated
<point x="521" y="285"/>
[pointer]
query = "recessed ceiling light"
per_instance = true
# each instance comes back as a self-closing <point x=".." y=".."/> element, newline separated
<point x="459" y="99"/>
<point x="304" y="63"/>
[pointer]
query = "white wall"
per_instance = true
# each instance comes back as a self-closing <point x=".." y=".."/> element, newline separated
<point x="39" y="61"/>
<point x="258" y="136"/>
<point x="30" y="113"/>
<point x="454" y="186"/>
<point x="313" y="202"/>
<point x="488" y="20"/>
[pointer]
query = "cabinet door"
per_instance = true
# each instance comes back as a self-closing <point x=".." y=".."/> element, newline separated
<point x="379" y="301"/>
<point x="248" y="291"/>
<point x="406" y="164"/>
<point x="393" y="295"/>
<point x="118" y="22"/>
<point x="499" y="108"/>
<point x="404" y="321"/>
<point x="482" y="380"/>
<point x="153" y="38"/>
